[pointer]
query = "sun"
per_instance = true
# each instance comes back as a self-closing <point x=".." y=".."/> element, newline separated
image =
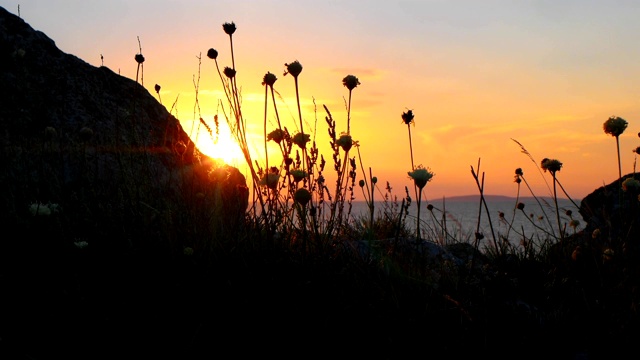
<point x="221" y="146"/>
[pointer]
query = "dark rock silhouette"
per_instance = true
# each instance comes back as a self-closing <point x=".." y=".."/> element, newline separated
<point x="613" y="211"/>
<point x="81" y="137"/>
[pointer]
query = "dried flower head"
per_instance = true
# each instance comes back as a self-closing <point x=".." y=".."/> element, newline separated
<point x="552" y="165"/>
<point x="229" y="72"/>
<point x="294" y="68"/>
<point x="270" y="180"/>
<point x="637" y="150"/>
<point x="302" y="196"/>
<point x="18" y="54"/>
<point x="374" y="180"/>
<point x="519" y="172"/>
<point x="157" y="88"/>
<point x="345" y="141"/>
<point x="574" y="223"/>
<point x="139" y="58"/>
<point x="421" y="176"/>
<point x="276" y="135"/>
<point x="80" y="244"/>
<point x="269" y="79"/>
<point x="351" y="82"/>
<point x="407" y="117"/>
<point x="39" y="209"/>
<point x="50" y="133"/>
<point x="301" y="139"/>
<point x="361" y="183"/>
<point x="212" y="54"/>
<point x="229" y="28"/>
<point x="520" y="206"/>
<point x="298" y="174"/>
<point x="615" y="126"/>
<point x="631" y="185"/>
<point x="86" y="133"/>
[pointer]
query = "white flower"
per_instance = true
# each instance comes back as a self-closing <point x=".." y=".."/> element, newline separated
<point x="81" y="244"/>
<point x="43" y="209"/>
<point x="40" y="209"/>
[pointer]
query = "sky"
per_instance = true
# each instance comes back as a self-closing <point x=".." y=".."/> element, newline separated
<point x="480" y="77"/>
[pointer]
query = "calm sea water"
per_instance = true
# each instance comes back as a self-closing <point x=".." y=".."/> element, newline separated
<point x="536" y="220"/>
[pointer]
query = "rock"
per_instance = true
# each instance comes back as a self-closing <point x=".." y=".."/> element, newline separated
<point x="607" y="249"/>
<point x="99" y="146"/>
<point x="612" y="211"/>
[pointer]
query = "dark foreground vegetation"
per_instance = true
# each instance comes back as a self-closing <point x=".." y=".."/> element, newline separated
<point x="120" y="240"/>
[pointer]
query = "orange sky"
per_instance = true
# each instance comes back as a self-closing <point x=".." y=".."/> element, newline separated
<point x="476" y="75"/>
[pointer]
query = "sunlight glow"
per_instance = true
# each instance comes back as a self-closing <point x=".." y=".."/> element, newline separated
<point x="219" y="146"/>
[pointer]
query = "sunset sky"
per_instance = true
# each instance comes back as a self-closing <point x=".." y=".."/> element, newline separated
<point x="477" y="74"/>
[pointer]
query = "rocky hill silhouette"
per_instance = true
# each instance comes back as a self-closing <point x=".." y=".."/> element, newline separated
<point x="70" y="130"/>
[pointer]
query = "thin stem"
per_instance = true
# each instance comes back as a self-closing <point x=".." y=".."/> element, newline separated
<point x="539" y="204"/>
<point x="413" y="167"/>
<point x="372" y="203"/>
<point x="619" y="166"/>
<point x="418" y="218"/>
<point x="349" y="115"/>
<point x="304" y="150"/>
<point x="555" y="200"/>
<point x="266" y="155"/>
<point x="483" y="201"/>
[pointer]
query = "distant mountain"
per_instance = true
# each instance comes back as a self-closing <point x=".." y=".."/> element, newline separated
<point x="467" y="198"/>
<point x="493" y="198"/>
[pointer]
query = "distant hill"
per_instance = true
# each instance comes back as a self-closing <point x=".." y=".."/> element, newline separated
<point x="496" y="198"/>
<point x="493" y="198"/>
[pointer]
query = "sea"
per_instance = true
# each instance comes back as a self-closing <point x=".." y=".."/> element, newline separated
<point x="464" y="216"/>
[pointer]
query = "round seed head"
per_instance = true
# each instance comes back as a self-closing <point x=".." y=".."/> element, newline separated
<point x="229" y="28"/>
<point x="302" y="196"/>
<point x="229" y="72"/>
<point x="552" y="165"/>
<point x="212" y="54"/>
<point x="615" y="126"/>
<point x="350" y="82"/>
<point x="294" y="68"/>
<point x="269" y="79"/>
